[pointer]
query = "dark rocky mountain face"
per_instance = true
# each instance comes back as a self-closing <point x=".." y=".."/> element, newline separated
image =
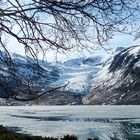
<point x="119" y="83"/>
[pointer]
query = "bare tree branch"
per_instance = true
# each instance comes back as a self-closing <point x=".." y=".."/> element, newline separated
<point x="41" y="25"/>
<point x="36" y="96"/>
<point x="69" y="22"/>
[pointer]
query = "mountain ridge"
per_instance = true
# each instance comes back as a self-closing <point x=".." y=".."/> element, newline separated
<point x="120" y="81"/>
<point x="92" y="80"/>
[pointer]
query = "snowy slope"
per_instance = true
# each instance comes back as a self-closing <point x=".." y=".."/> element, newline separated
<point x="102" y="75"/>
<point x="119" y="81"/>
<point x="28" y="69"/>
<point x="79" y="73"/>
<point x="91" y="61"/>
<point x="22" y="72"/>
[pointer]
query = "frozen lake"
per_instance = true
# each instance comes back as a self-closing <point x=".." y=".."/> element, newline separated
<point x="122" y="122"/>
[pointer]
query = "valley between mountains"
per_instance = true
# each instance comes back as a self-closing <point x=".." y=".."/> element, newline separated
<point x="93" y="80"/>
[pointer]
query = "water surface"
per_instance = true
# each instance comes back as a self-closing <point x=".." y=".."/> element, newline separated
<point x="119" y="122"/>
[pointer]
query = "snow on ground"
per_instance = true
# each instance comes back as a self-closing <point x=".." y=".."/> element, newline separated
<point x="134" y="50"/>
<point x="137" y="64"/>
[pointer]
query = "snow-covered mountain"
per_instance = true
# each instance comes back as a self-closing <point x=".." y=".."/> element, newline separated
<point x="102" y="79"/>
<point x="20" y="72"/>
<point x="23" y="72"/>
<point x="91" y="61"/>
<point x="119" y="81"/>
<point x="27" y="69"/>
<point x="43" y="72"/>
<point x="79" y="72"/>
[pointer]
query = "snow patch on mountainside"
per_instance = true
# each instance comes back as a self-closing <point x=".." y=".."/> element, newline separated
<point x="134" y="51"/>
<point x="137" y="64"/>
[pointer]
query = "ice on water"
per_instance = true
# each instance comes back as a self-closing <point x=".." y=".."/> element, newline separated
<point x="82" y="121"/>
